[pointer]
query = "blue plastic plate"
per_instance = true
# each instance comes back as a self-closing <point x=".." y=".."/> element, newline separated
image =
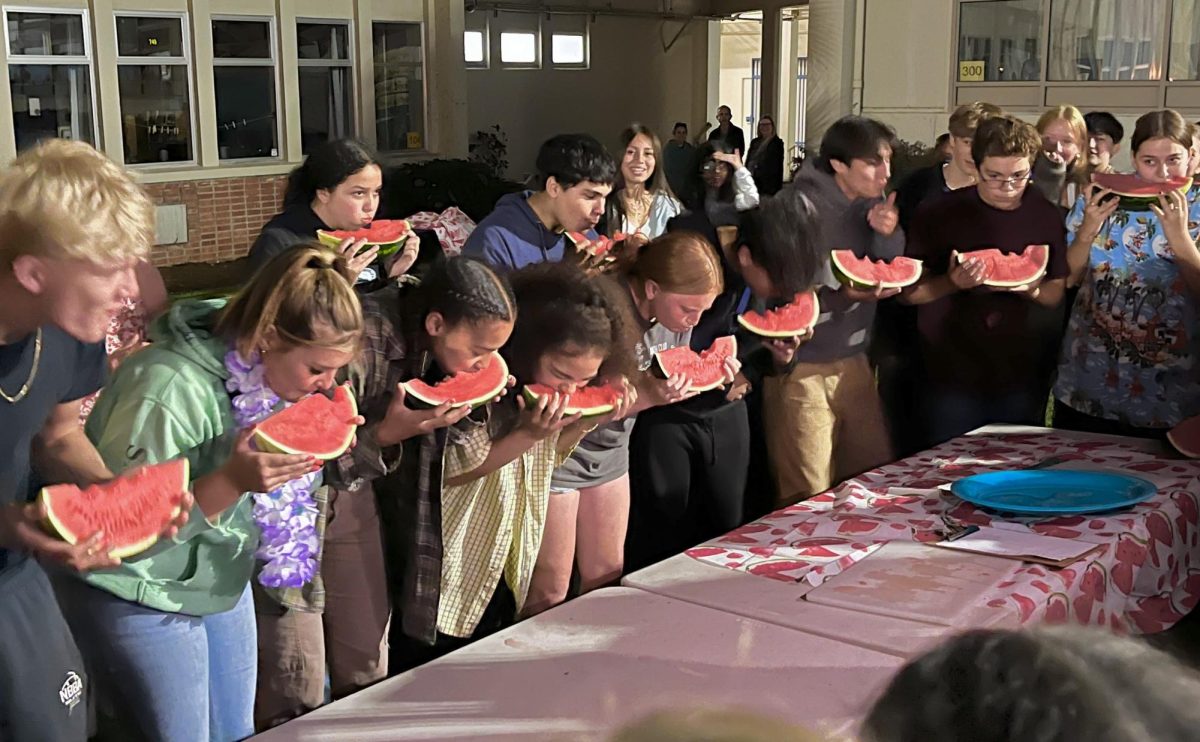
<point x="1053" y="491"/>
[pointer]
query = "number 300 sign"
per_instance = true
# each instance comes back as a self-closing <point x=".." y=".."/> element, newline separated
<point x="971" y="70"/>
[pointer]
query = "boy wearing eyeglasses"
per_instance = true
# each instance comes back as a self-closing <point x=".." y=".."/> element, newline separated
<point x="989" y="352"/>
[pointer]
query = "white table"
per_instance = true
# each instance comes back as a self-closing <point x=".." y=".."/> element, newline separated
<point x="584" y="669"/>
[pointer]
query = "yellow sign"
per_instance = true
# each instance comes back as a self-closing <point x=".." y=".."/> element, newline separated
<point x="414" y="140"/>
<point x="971" y="70"/>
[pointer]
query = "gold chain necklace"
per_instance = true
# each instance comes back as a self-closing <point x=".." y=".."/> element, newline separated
<point x="37" y="357"/>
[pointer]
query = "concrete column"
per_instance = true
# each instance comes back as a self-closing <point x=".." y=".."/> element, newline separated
<point x="769" y="98"/>
<point x="831" y="29"/>
<point x="446" y="87"/>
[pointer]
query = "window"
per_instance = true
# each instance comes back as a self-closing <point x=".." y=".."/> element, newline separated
<point x="154" y="88"/>
<point x="519" y="48"/>
<point x="399" y="86"/>
<point x="1106" y="39"/>
<point x="50" y="76"/>
<point x="475" y="48"/>
<point x="326" y="82"/>
<point x="244" y="82"/>
<point x="1000" y="40"/>
<point x="1185" y="40"/>
<point x="569" y="49"/>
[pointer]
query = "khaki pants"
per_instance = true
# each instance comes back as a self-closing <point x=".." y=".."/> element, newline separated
<point x="350" y="637"/>
<point x="824" y="423"/>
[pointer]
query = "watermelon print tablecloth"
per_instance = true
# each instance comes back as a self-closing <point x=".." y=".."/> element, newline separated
<point x="1145" y="578"/>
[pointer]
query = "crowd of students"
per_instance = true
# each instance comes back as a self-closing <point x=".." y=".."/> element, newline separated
<point x="444" y="525"/>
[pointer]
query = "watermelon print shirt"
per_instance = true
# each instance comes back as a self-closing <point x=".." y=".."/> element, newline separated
<point x="1130" y="350"/>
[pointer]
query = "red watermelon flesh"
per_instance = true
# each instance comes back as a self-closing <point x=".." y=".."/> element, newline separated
<point x="586" y="401"/>
<point x="599" y="246"/>
<point x="791" y="320"/>
<point x="132" y="510"/>
<point x="1135" y="191"/>
<point x="706" y="369"/>
<point x="471" y="388"/>
<point x="1011" y="269"/>
<point x="389" y="234"/>
<point x="894" y="274"/>
<point x="1185" y="437"/>
<point x="315" y="426"/>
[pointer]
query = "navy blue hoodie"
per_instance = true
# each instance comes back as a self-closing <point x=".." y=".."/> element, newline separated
<point x="513" y="236"/>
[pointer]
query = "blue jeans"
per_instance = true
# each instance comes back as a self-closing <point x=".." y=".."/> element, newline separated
<point x="165" y="677"/>
<point x="952" y="413"/>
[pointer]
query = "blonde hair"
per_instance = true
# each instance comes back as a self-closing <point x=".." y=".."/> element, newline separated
<point x="1074" y="119"/>
<point x="680" y="262"/>
<point x="304" y="296"/>
<point x="63" y="199"/>
<point x="966" y="117"/>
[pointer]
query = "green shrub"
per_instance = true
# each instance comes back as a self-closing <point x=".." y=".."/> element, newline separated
<point x="436" y="185"/>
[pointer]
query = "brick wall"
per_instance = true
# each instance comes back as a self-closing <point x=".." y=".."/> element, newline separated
<point x="224" y="216"/>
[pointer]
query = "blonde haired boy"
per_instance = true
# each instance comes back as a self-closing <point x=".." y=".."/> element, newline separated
<point x="73" y="225"/>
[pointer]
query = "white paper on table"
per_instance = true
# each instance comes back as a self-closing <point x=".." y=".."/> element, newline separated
<point x="1017" y="542"/>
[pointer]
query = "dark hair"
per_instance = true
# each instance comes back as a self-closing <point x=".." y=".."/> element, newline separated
<point x="1103" y="122"/>
<point x="1047" y="685"/>
<point x="679" y="124"/>
<point x="574" y="158"/>
<point x="1165" y="124"/>
<point x="464" y="289"/>
<point x="1005" y="136"/>
<point x="561" y="308"/>
<point x="782" y="235"/>
<point x="614" y="209"/>
<point x="854" y="138"/>
<point x="697" y="189"/>
<point x="327" y="165"/>
<point x="942" y="140"/>
<point x="727" y="108"/>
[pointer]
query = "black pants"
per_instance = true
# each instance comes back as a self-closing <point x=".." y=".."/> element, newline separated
<point x="42" y="679"/>
<point x="1068" y="418"/>
<point x="405" y="653"/>
<point x="687" y="479"/>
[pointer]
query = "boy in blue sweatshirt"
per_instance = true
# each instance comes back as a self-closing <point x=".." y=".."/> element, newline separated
<point x="576" y="173"/>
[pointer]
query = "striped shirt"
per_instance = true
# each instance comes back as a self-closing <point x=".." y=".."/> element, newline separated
<point x="491" y="526"/>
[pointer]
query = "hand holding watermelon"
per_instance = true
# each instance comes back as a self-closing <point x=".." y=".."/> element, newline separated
<point x="250" y="470"/>
<point x="401" y="422"/>
<point x="783" y="350"/>
<point x="1100" y="205"/>
<point x="356" y="257"/>
<point x="965" y="272"/>
<point x="21" y="529"/>
<point x="658" y="392"/>
<point x="872" y="293"/>
<point x="547" y="415"/>
<point x="1172" y="211"/>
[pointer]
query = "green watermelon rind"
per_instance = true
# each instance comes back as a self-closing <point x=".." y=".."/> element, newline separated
<point x="661" y="372"/>
<point x="1013" y="284"/>
<point x="1138" y="202"/>
<point x="63" y="530"/>
<point x="331" y="239"/>
<point x="266" y="442"/>
<point x="415" y="389"/>
<point x="532" y="398"/>
<point x="845" y="276"/>
<point x="746" y="320"/>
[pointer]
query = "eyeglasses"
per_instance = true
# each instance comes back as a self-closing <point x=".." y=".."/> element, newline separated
<point x="711" y="166"/>
<point x="1014" y="181"/>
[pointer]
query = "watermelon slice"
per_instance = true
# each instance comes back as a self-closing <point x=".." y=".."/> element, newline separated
<point x="868" y="274"/>
<point x="598" y="247"/>
<point x="587" y="401"/>
<point x="1185" y="437"/>
<point x="316" y="426"/>
<point x="1137" y="194"/>
<point x="389" y="234"/>
<point x="132" y="510"/>
<point x="791" y="320"/>
<point x="1008" y="270"/>
<point x="471" y="388"/>
<point x="706" y="369"/>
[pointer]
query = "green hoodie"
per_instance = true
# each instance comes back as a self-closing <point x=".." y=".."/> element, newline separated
<point x="163" y="402"/>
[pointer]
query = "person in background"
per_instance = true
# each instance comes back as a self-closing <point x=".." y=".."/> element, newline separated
<point x="1061" y="172"/>
<point x="1194" y="159"/>
<point x="641" y="202"/>
<point x="765" y="159"/>
<point x="894" y="339"/>
<point x="824" y="419"/>
<point x="73" y="226"/>
<point x="987" y="354"/>
<point x="576" y="174"/>
<point x="1128" y="361"/>
<point x="1104" y="140"/>
<point x="942" y="147"/>
<point x="722" y="187"/>
<point x="678" y="156"/>
<point x="731" y="135"/>
<point x="337" y="187"/>
<point x="1062" y="684"/>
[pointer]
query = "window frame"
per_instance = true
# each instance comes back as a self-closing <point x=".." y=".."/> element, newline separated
<point x="351" y="63"/>
<point x="374" y="87"/>
<point x="273" y="63"/>
<point x="585" y="35"/>
<point x="486" y="63"/>
<point x="87" y="60"/>
<point x="186" y="60"/>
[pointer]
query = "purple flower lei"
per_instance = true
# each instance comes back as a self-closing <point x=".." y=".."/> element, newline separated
<point x="286" y="517"/>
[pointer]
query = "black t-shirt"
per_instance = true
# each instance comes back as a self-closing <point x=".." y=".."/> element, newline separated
<point x="295" y="225"/>
<point x="983" y="341"/>
<point x="920" y="186"/>
<point x="66" y="371"/>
